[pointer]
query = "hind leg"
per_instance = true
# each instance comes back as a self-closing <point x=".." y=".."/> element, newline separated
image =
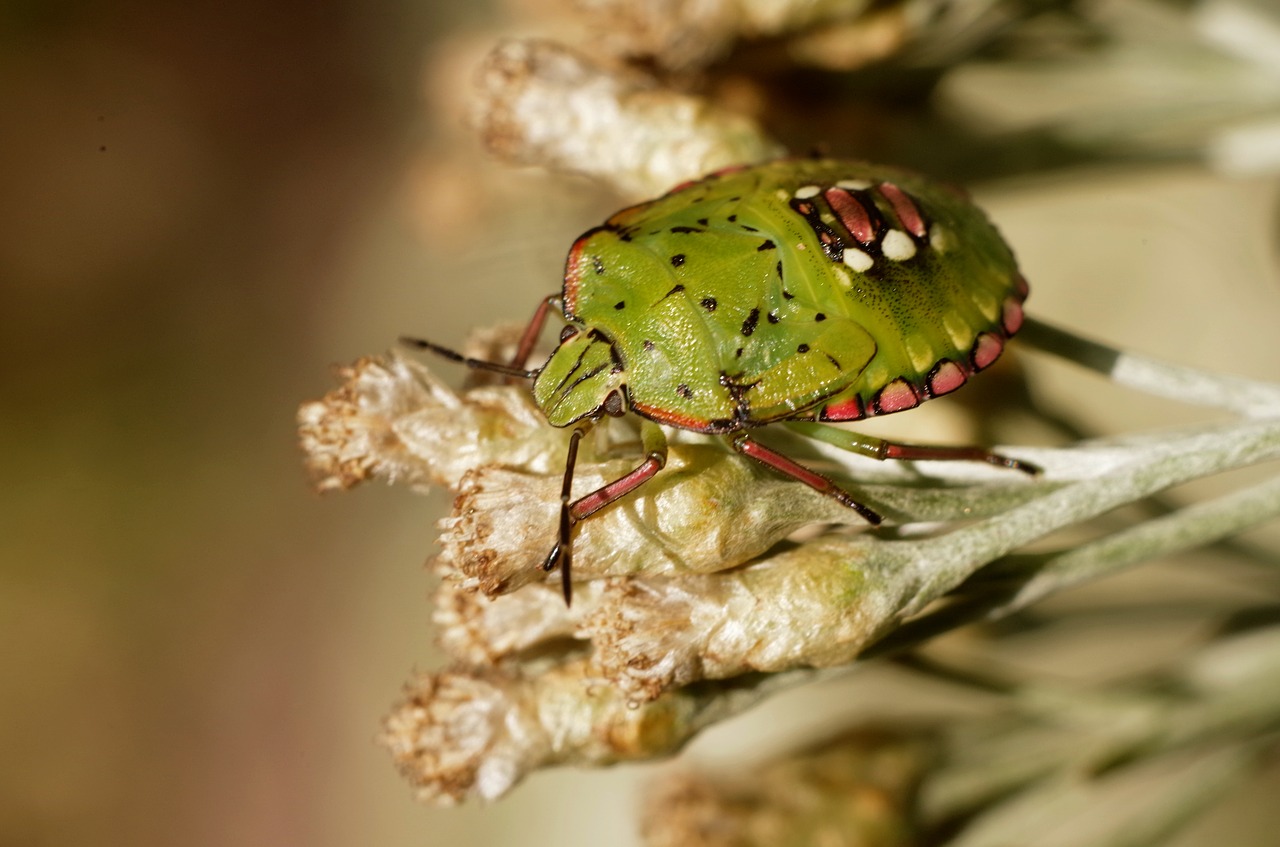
<point x="879" y="448"/>
<point x="654" y="441"/>
<point x="748" y="446"/>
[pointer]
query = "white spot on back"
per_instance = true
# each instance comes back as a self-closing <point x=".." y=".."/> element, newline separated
<point x="921" y="353"/>
<point x="842" y="276"/>
<point x="856" y="259"/>
<point x="897" y="245"/>
<point x="987" y="305"/>
<point x="940" y="239"/>
<point x="853" y="184"/>
<point x="960" y="333"/>
<point x="807" y="191"/>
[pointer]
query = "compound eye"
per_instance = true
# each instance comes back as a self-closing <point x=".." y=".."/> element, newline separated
<point x="613" y="405"/>
<point x="567" y="333"/>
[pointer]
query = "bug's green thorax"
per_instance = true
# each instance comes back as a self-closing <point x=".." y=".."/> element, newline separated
<point x="578" y="378"/>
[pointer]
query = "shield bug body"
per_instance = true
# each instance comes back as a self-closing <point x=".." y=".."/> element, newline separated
<point x="794" y="292"/>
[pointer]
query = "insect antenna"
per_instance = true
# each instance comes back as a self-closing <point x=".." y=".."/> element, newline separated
<point x="455" y="356"/>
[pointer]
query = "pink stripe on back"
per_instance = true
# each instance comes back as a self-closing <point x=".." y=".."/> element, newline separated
<point x="851" y="214"/>
<point x="906" y="210"/>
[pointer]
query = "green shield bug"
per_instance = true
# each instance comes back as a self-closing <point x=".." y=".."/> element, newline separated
<point x="796" y="292"/>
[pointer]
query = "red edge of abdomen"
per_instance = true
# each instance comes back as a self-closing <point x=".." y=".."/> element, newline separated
<point x="573" y="269"/>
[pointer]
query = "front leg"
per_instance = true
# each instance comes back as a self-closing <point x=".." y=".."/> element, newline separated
<point x="654" y="441"/>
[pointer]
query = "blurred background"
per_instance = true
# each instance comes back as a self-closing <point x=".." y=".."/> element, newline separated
<point x="206" y="206"/>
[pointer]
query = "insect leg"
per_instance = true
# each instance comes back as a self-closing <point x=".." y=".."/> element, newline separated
<point x="655" y="449"/>
<point x="655" y="458"/>
<point x="878" y="448"/>
<point x="533" y="330"/>
<point x="748" y="446"/>
<point x="562" y="553"/>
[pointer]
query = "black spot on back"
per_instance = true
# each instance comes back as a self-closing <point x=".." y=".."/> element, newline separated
<point x="819" y="317"/>
<point x="676" y="289"/>
<point x="679" y="229"/>
<point x="647" y="344"/>
<point x="767" y="244"/>
<point x="709" y="303"/>
<point x="597" y="264"/>
<point x="703" y="221"/>
<point x="620" y="305"/>
<point x="749" y="325"/>
<point x="803" y="348"/>
<point x="773" y="317"/>
<point x="677" y="260"/>
<point x="684" y="391"/>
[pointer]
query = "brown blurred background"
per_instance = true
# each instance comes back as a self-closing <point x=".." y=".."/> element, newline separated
<point x="203" y="207"/>
<point x="187" y="193"/>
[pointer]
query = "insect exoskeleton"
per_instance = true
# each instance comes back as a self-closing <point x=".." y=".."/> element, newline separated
<point x="796" y="292"/>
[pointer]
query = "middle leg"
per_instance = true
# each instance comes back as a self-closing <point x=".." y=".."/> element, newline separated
<point x="748" y="446"/>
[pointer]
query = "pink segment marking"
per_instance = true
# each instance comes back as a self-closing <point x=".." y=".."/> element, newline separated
<point x="845" y="410"/>
<point x="851" y="214"/>
<point x="906" y="210"/>
<point x="1020" y="282"/>
<point x="1012" y="317"/>
<point x="947" y="376"/>
<point x="895" y="397"/>
<point x="986" y="350"/>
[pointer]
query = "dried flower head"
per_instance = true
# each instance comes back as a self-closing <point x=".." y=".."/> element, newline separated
<point x="692" y="603"/>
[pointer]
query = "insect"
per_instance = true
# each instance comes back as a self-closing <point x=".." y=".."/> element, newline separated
<point x="797" y="292"/>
